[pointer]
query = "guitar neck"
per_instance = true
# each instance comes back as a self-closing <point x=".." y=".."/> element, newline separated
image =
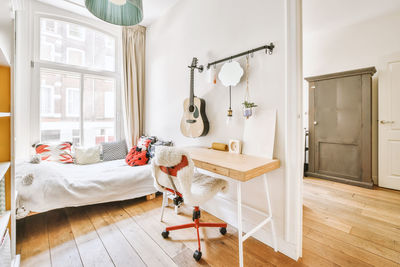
<point x="191" y="87"/>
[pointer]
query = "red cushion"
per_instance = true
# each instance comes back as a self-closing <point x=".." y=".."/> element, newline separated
<point x="137" y="157"/>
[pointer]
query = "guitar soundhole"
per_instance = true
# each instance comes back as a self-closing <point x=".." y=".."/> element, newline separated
<point x="191" y="108"/>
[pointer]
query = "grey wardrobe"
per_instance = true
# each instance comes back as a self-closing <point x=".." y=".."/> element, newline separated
<point x="340" y="127"/>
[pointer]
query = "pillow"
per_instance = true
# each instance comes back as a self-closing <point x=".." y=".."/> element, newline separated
<point x="114" y="150"/>
<point x="55" y="152"/>
<point x="88" y="155"/>
<point x="137" y="157"/>
<point x="145" y="142"/>
<point x="152" y="149"/>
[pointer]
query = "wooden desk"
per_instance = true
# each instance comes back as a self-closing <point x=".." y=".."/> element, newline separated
<point x="240" y="168"/>
<point x="236" y="166"/>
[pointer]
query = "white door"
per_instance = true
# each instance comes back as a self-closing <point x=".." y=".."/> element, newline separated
<point x="389" y="125"/>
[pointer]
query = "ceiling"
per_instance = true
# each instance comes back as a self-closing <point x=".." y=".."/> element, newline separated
<point x="152" y="9"/>
<point x="330" y="14"/>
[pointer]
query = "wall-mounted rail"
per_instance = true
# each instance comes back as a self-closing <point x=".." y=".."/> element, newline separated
<point x="268" y="49"/>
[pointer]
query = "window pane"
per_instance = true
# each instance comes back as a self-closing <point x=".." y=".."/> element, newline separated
<point x="59" y="106"/>
<point x="98" y="110"/>
<point x="74" y="44"/>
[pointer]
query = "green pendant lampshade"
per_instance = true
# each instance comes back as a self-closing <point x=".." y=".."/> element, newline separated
<point x="119" y="12"/>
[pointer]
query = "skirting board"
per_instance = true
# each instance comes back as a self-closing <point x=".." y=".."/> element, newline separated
<point x="226" y="210"/>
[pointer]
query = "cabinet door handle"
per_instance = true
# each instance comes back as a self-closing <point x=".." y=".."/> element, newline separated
<point x="386" y="122"/>
<point x="315" y="123"/>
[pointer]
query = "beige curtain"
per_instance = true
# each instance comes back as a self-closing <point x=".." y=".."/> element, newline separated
<point x="133" y="45"/>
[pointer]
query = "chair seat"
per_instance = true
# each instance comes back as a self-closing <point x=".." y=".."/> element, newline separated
<point x="204" y="187"/>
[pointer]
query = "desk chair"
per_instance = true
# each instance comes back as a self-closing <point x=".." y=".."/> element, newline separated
<point x="173" y="171"/>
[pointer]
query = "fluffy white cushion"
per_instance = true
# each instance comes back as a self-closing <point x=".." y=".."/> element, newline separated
<point x="168" y="156"/>
<point x="88" y="155"/>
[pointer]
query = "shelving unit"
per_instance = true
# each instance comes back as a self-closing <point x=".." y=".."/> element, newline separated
<point x="7" y="159"/>
<point x="4" y="166"/>
<point x="5" y="114"/>
<point x="7" y="218"/>
<point x="4" y="219"/>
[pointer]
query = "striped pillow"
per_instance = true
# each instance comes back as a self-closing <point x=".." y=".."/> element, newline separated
<point x="114" y="150"/>
<point x="55" y="152"/>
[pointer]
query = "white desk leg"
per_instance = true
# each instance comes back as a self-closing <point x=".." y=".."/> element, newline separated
<point x="240" y="231"/>
<point x="270" y="213"/>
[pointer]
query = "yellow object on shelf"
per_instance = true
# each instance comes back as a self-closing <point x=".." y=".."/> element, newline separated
<point x="219" y="146"/>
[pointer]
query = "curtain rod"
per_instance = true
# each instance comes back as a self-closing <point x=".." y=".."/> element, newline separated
<point x="268" y="49"/>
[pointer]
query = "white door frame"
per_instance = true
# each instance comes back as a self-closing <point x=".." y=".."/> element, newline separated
<point x="294" y="149"/>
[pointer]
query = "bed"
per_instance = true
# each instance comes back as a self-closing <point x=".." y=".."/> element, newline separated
<point x="51" y="185"/>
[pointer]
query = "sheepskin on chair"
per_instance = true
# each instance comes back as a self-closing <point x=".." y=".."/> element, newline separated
<point x="196" y="188"/>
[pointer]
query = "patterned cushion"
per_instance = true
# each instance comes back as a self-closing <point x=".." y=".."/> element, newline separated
<point x="55" y="152"/>
<point x="114" y="150"/>
<point x="145" y="142"/>
<point x="152" y="149"/>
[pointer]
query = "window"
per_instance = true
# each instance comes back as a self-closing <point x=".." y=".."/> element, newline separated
<point x="47" y="99"/>
<point x="77" y="45"/>
<point x="78" y="84"/>
<point x="73" y="102"/>
<point x="55" y="93"/>
<point x="47" y="51"/>
<point x="49" y="27"/>
<point x="75" y="56"/>
<point x="75" y="32"/>
<point x="99" y="113"/>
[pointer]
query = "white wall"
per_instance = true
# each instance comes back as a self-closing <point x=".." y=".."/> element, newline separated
<point x="359" y="45"/>
<point x="212" y="30"/>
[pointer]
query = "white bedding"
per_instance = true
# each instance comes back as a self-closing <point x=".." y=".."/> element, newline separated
<point x="56" y="185"/>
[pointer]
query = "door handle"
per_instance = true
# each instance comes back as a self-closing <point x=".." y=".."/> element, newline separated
<point x="315" y="122"/>
<point x="386" y="122"/>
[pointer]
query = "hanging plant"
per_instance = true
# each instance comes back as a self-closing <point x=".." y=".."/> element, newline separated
<point x="248" y="108"/>
<point x="247" y="105"/>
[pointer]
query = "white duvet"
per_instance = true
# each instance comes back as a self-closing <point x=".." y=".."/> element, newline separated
<point x="56" y="185"/>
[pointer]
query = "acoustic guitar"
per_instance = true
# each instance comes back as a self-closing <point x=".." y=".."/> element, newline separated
<point x="194" y="122"/>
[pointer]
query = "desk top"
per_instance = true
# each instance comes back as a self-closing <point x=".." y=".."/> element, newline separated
<point x="236" y="166"/>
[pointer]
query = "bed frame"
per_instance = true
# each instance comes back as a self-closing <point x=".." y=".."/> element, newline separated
<point x="148" y="197"/>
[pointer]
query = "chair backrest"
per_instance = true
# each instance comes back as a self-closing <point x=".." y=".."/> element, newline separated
<point x="179" y="165"/>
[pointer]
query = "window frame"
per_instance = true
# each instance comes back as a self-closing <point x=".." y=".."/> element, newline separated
<point x="37" y="64"/>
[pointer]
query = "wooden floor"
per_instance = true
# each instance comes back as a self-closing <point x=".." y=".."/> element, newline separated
<point x="343" y="226"/>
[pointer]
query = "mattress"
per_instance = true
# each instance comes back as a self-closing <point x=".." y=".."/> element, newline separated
<point x="52" y="185"/>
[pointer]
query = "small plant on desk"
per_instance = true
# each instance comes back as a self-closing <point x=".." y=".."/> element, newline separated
<point x="248" y="108"/>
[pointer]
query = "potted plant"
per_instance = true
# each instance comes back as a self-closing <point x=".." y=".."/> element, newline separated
<point x="248" y="108"/>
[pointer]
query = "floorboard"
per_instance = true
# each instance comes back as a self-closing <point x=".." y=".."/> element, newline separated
<point x="63" y="249"/>
<point x="343" y="226"/>
<point x="120" y="250"/>
<point x="89" y="244"/>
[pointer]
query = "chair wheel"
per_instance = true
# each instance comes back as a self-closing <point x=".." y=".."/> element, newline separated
<point x="197" y="255"/>
<point x="222" y="230"/>
<point x="165" y="234"/>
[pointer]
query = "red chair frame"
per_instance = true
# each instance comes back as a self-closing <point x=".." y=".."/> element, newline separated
<point x="196" y="223"/>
